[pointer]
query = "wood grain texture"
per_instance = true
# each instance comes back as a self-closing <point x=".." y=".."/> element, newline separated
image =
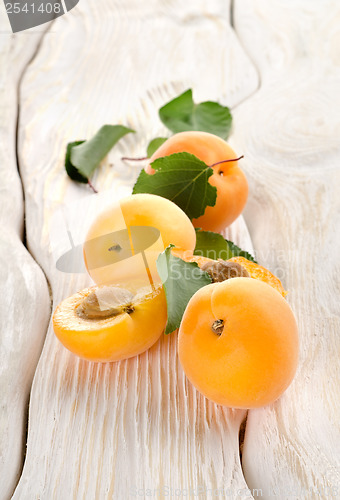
<point x="25" y="302"/>
<point x="292" y="155"/>
<point x="101" y="431"/>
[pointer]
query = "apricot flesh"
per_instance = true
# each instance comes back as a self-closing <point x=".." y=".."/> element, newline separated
<point x="253" y="269"/>
<point x="228" y="178"/>
<point x="238" y="343"/>
<point x="124" y="334"/>
<point x="260" y="273"/>
<point x="128" y="262"/>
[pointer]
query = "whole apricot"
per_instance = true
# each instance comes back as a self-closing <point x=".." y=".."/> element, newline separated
<point x="111" y="323"/>
<point x="238" y="343"/>
<point x="124" y="241"/>
<point x="228" y="178"/>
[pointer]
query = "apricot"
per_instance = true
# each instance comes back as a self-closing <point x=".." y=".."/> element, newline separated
<point x="219" y="270"/>
<point x="238" y="343"/>
<point x="228" y="178"/>
<point x="110" y="323"/>
<point x="124" y="241"/>
<point x="260" y="273"/>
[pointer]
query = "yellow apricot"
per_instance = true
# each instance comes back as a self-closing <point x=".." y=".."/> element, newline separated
<point x="99" y="324"/>
<point x="124" y="241"/>
<point x="238" y="343"/>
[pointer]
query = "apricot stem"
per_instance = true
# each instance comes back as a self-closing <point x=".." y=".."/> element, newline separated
<point x="226" y="161"/>
<point x="218" y="326"/>
<point x="92" y="186"/>
<point x="126" y="158"/>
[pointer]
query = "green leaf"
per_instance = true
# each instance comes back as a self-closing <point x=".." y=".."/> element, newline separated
<point x="181" y="178"/>
<point x="180" y="280"/>
<point x="176" y="114"/>
<point x="83" y="157"/>
<point x="71" y="170"/>
<point x="183" y="114"/>
<point x="214" y="118"/>
<point x="214" y="246"/>
<point x="154" y="145"/>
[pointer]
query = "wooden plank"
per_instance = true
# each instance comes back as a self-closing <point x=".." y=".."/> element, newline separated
<point x="291" y="149"/>
<point x="25" y="302"/>
<point x="101" y="431"/>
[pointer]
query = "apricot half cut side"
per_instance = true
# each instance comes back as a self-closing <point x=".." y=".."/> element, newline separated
<point x="110" y="323"/>
<point x="238" y="343"/>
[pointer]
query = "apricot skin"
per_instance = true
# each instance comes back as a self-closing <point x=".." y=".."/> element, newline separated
<point x="114" y="338"/>
<point x="228" y="178"/>
<point x="255" y="358"/>
<point x="138" y="210"/>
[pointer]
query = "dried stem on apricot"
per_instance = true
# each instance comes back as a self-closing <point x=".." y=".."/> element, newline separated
<point x="218" y="327"/>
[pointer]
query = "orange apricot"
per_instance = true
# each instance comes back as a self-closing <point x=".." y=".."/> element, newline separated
<point x="238" y="343"/>
<point x="110" y="323"/>
<point x="124" y="241"/>
<point x="228" y="178"/>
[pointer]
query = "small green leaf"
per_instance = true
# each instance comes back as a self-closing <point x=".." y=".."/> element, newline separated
<point x="181" y="178"/>
<point x="180" y="280"/>
<point x="154" y="145"/>
<point x="183" y="114"/>
<point x="214" y="118"/>
<point x="238" y="252"/>
<point x="214" y="246"/>
<point x="71" y="170"/>
<point x="176" y="114"/>
<point x="83" y="157"/>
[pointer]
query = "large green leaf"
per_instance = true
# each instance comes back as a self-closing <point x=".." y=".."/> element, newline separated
<point x="181" y="178"/>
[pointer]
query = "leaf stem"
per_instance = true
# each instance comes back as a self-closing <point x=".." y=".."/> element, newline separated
<point x="89" y="183"/>
<point x="126" y="158"/>
<point x="226" y="161"/>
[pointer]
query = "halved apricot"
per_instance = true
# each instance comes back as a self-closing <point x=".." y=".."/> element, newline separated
<point x="109" y="323"/>
<point x="220" y="270"/>
<point x="260" y="273"/>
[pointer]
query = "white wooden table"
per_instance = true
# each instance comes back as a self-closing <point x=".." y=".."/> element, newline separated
<point x="76" y="430"/>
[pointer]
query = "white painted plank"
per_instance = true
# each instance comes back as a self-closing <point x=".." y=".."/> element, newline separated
<point x="291" y="149"/>
<point x="100" y="431"/>
<point x="25" y="303"/>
